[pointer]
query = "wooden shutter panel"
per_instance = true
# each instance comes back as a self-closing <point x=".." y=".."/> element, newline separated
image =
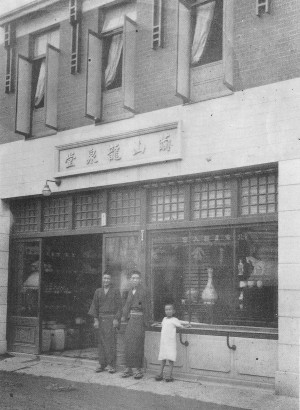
<point x="183" y="52"/>
<point x="94" y="77"/>
<point x="52" y="66"/>
<point x="228" y="55"/>
<point x="129" y="63"/>
<point x="23" y="99"/>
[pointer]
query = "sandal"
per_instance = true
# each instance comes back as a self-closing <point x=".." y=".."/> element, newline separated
<point x="159" y="378"/>
<point x="169" y="379"/>
<point x="111" y="369"/>
<point x="127" y="373"/>
<point x="100" y="369"/>
<point x="138" y="375"/>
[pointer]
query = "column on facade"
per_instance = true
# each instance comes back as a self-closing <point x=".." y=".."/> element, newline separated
<point x="287" y="375"/>
<point x="4" y="247"/>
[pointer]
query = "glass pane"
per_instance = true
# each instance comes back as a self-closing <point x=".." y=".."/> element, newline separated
<point x="124" y="206"/>
<point x="257" y="273"/>
<point x="169" y="265"/>
<point x="171" y="200"/>
<point x="25" y="214"/>
<point x="209" y="287"/>
<point x="56" y="213"/>
<point x="179" y="267"/>
<point x="84" y="204"/>
<point x="260" y="186"/>
<point x="213" y="199"/>
<point x="122" y="255"/>
<point x="25" y="279"/>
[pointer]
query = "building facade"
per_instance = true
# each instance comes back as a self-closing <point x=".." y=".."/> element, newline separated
<point x="160" y="136"/>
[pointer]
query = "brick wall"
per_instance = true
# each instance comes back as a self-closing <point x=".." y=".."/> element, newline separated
<point x="156" y="69"/>
<point x="72" y="88"/>
<point x="267" y="48"/>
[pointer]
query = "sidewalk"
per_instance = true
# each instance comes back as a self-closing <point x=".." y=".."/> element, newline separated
<point x="78" y="370"/>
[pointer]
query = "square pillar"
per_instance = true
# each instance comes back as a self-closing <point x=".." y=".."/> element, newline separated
<point x="4" y="249"/>
<point x="287" y="374"/>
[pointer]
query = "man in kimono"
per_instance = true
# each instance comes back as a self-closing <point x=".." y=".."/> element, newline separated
<point x="137" y="310"/>
<point x="106" y="310"/>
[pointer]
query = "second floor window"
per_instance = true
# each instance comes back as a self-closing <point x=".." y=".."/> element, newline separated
<point x="207" y="22"/>
<point x="37" y="85"/>
<point x="39" y="65"/>
<point x="111" y="59"/>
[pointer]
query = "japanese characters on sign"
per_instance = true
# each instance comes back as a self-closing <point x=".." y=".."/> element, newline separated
<point x="109" y="153"/>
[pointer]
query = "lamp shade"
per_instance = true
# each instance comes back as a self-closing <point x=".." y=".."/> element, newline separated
<point x="46" y="190"/>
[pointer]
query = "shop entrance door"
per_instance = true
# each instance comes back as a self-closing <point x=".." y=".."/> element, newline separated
<point x="121" y="255"/>
<point x="24" y="297"/>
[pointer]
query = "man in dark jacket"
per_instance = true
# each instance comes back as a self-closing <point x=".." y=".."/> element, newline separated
<point x="106" y="310"/>
<point x="137" y="310"/>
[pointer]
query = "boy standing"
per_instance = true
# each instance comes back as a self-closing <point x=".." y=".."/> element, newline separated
<point x="106" y="310"/>
<point x="137" y="309"/>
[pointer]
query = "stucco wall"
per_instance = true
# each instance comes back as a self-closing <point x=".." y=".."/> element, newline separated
<point x="248" y="128"/>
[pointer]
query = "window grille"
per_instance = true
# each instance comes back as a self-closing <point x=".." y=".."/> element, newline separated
<point x="75" y="52"/>
<point x="74" y="7"/>
<point x="56" y="214"/>
<point x="262" y="6"/>
<point x="8" y="73"/>
<point x="157" y="24"/>
<point x="124" y="206"/>
<point x="9" y="42"/>
<point x="258" y="194"/>
<point x="211" y="199"/>
<point x="88" y="209"/>
<point x="25" y="216"/>
<point x="166" y="203"/>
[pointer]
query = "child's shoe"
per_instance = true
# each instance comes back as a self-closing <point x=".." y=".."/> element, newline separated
<point x="159" y="378"/>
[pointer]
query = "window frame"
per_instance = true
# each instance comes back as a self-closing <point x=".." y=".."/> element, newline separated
<point x="24" y="121"/>
<point x="94" y="73"/>
<point x="184" y="44"/>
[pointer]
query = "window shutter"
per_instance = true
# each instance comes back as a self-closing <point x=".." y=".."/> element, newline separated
<point x="129" y="63"/>
<point x="23" y="99"/>
<point x="94" y="77"/>
<point x="183" y="52"/>
<point x="228" y="43"/>
<point x="52" y="65"/>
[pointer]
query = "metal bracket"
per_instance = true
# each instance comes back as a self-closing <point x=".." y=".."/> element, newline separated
<point x="233" y="347"/>
<point x="186" y="343"/>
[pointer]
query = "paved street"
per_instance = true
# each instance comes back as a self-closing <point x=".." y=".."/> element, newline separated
<point x="29" y="382"/>
<point x="26" y="392"/>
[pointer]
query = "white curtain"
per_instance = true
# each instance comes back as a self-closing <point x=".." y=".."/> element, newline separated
<point x="204" y="19"/>
<point x="114" y="56"/>
<point x="40" y="88"/>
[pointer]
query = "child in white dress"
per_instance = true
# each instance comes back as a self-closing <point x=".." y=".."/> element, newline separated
<point x="167" y="350"/>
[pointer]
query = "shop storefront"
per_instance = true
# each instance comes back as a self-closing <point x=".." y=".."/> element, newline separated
<point x="208" y="244"/>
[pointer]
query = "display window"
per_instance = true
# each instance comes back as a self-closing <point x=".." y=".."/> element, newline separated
<point x="217" y="275"/>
